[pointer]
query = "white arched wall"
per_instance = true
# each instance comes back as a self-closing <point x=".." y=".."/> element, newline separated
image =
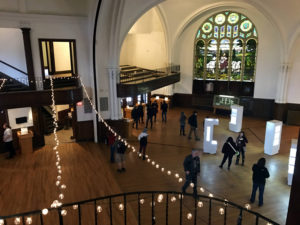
<point x="268" y="53"/>
<point x="145" y="43"/>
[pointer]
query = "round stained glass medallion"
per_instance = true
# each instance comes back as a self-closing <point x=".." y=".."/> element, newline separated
<point x="233" y="18"/>
<point x="220" y="19"/>
<point x="246" y="26"/>
<point x="207" y="27"/>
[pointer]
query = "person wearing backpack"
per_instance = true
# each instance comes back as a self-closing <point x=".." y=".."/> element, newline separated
<point x="229" y="149"/>
<point x="120" y="155"/>
<point x="193" y="126"/>
<point x="143" y="138"/>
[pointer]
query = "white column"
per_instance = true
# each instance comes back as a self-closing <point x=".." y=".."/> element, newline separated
<point x="283" y="79"/>
<point x="115" y="104"/>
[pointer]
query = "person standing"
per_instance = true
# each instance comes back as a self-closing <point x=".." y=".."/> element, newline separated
<point x="8" y="140"/>
<point x="120" y="155"/>
<point x="260" y="173"/>
<point x="182" y="123"/>
<point x="164" y="109"/>
<point x="143" y="138"/>
<point x="229" y="149"/>
<point x="134" y="116"/>
<point x="191" y="166"/>
<point x="111" y="143"/>
<point x="241" y="145"/>
<point x="140" y="110"/>
<point x="149" y="115"/>
<point x="155" y="109"/>
<point x="193" y="126"/>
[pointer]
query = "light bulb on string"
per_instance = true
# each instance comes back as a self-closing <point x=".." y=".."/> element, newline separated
<point x="99" y="209"/>
<point x="221" y="211"/>
<point x="200" y="204"/>
<point x="45" y="212"/>
<point x="173" y="199"/>
<point x="28" y="220"/>
<point x="63" y="212"/>
<point x="17" y="220"/>
<point x="142" y="201"/>
<point x="189" y="216"/>
<point x="75" y="207"/>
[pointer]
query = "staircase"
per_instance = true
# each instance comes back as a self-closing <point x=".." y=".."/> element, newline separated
<point x="12" y="84"/>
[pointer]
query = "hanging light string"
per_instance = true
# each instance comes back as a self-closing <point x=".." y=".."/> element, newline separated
<point x="2" y="84"/>
<point x="133" y="149"/>
<point x="58" y="183"/>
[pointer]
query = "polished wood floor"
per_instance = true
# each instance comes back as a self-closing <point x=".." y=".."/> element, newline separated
<point x="27" y="182"/>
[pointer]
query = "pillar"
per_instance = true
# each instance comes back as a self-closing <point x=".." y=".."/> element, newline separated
<point x="115" y="103"/>
<point x="28" y="57"/>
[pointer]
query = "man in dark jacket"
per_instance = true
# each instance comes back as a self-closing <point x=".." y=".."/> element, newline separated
<point x="260" y="173"/>
<point x="164" y="109"/>
<point x="135" y="117"/>
<point x="140" y="110"/>
<point x="191" y="166"/>
<point x="194" y="125"/>
<point x="155" y="109"/>
<point x="149" y="115"/>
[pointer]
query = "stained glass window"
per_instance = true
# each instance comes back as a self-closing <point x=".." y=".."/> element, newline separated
<point x="225" y="48"/>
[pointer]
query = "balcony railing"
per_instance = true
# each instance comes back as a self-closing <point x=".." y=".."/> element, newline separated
<point x="148" y="207"/>
<point x="136" y="75"/>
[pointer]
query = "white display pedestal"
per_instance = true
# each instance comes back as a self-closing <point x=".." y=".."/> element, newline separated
<point x="236" y="120"/>
<point x="292" y="160"/>
<point x="273" y="137"/>
<point x="210" y="145"/>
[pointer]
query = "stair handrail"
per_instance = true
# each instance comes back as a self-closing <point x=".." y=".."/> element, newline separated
<point x="11" y="66"/>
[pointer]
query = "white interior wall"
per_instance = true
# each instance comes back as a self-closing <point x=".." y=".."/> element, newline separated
<point x="12" y="48"/>
<point x="293" y="91"/>
<point x="20" y="112"/>
<point x="62" y="56"/>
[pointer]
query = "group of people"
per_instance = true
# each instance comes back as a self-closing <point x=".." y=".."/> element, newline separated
<point x="191" y="166"/>
<point x="137" y="113"/>
<point x="231" y="148"/>
<point x="192" y="121"/>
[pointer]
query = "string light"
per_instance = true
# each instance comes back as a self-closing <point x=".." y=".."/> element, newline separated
<point x="121" y="207"/>
<point x="17" y="220"/>
<point x="28" y="220"/>
<point x="200" y="204"/>
<point x="221" y="211"/>
<point x="45" y="212"/>
<point x="3" y="82"/>
<point x="189" y="216"/>
<point x="75" y="207"/>
<point x="56" y="203"/>
<point x="99" y="209"/>
<point x="160" y="198"/>
<point x="173" y="199"/>
<point x="142" y="201"/>
<point x="130" y="146"/>
<point x="1" y="222"/>
<point x="63" y="212"/>
<point x="248" y="206"/>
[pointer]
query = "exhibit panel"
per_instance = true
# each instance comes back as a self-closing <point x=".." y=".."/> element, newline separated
<point x="209" y="145"/>
<point x="292" y="160"/>
<point x="272" y="137"/>
<point x="236" y="118"/>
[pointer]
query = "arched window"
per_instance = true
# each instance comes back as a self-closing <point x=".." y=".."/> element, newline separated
<point x="225" y="48"/>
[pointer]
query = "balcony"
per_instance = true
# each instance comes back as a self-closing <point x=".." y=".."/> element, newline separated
<point x="135" y="80"/>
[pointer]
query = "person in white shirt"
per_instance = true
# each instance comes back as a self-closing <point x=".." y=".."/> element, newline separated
<point x="8" y="140"/>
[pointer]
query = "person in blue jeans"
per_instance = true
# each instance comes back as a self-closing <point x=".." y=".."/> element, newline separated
<point x="164" y="109"/>
<point x="260" y="173"/>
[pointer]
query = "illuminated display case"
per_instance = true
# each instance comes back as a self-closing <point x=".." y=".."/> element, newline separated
<point x="210" y="145"/>
<point x="273" y="137"/>
<point x="225" y="101"/>
<point x="236" y="118"/>
<point x="292" y="160"/>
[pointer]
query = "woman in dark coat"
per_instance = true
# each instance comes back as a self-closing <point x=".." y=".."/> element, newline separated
<point x="229" y="149"/>
<point x="241" y="141"/>
<point x="260" y="173"/>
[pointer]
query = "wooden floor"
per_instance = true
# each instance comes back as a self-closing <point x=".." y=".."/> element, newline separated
<point x="27" y="182"/>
